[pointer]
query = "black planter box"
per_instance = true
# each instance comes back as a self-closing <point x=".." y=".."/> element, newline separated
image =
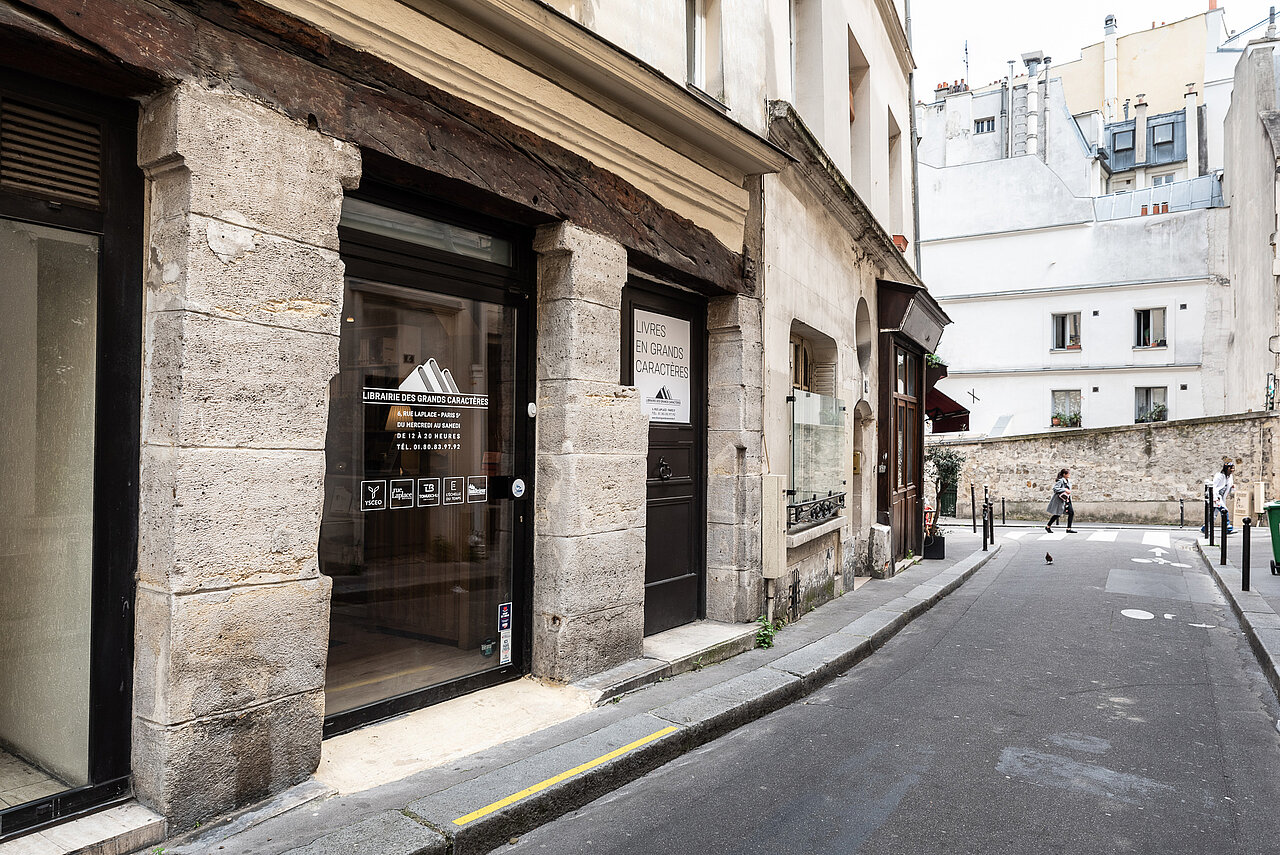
<point x="935" y="547"/>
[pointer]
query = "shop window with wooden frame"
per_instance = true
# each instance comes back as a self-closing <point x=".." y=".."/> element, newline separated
<point x="817" y="487"/>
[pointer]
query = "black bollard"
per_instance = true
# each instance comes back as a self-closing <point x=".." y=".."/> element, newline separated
<point x="1182" y="513"/>
<point x="1002" y="522"/>
<point x="984" y="528"/>
<point x="1223" y="560"/>
<point x="1208" y="513"/>
<point x="1244" y="555"/>
<point x="973" y="506"/>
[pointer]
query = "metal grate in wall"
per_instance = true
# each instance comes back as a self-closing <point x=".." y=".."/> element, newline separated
<point x="49" y="154"/>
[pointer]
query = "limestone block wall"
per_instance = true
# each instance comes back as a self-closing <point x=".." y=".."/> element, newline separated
<point x="242" y="311"/>
<point x="735" y="425"/>
<point x="1133" y="473"/>
<point x="592" y="441"/>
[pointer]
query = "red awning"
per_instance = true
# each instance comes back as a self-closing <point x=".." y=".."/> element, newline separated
<point x="944" y="414"/>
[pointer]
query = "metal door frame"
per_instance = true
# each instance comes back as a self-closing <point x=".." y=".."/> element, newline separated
<point x="652" y="296"/>
<point x="382" y="259"/>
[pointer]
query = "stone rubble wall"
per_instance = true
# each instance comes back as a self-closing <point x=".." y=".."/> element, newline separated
<point x="1126" y="474"/>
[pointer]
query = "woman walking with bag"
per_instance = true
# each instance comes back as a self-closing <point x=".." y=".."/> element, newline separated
<point x="1060" y="502"/>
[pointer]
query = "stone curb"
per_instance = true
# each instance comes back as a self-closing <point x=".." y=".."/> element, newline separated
<point x="1260" y="621"/>
<point x="697" y="719"/>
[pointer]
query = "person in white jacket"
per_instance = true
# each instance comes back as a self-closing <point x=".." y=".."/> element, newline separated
<point x="1224" y="486"/>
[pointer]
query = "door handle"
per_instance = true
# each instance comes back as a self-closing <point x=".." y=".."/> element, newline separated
<point x="664" y="471"/>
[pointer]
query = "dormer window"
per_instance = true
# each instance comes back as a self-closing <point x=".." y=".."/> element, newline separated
<point x="1122" y="141"/>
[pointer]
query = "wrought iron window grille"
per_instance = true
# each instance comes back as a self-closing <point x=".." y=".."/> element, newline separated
<point x="815" y="510"/>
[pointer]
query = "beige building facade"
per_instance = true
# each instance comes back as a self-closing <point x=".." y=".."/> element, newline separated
<point x="385" y="352"/>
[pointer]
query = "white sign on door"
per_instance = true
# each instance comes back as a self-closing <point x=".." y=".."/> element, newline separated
<point x="661" y="365"/>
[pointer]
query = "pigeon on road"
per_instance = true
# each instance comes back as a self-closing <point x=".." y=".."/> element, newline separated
<point x="1048" y="559"/>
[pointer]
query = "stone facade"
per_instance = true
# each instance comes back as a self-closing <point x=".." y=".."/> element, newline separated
<point x="243" y="298"/>
<point x="252" y="129"/>
<point x="589" y="501"/>
<point x="1131" y="474"/>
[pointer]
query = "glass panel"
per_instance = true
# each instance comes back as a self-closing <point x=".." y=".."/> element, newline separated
<point x="1066" y="408"/>
<point x="48" y="347"/>
<point x="913" y="373"/>
<point x="1150" y="404"/>
<point x="901" y="415"/>
<point x="388" y="222"/>
<point x="418" y="547"/>
<point x="817" y="445"/>
<point x="902" y="371"/>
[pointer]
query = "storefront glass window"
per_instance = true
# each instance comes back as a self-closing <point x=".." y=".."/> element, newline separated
<point x="48" y="347"/>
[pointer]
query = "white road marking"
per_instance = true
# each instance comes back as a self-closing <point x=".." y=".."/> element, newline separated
<point x="1015" y="535"/>
<point x="1057" y="535"/>
<point x="1137" y="614"/>
<point x="1202" y="625"/>
<point x="1169" y="617"/>
<point x="1155" y="538"/>
<point x="1157" y="551"/>
<point x="1175" y="564"/>
<point x="1141" y="560"/>
<point x="1105" y="536"/>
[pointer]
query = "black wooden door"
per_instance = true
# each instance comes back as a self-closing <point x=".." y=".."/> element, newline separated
<point x="664" y="356"/>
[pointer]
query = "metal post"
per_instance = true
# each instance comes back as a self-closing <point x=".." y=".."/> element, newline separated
<point x="973" y="506"/>
<point x="1244" y="556"/>
<point x="1223" y="561"/>
<point x="984" y="528"/>
<point x="1182" y="513"/>
<point x="1002" y="522"/>
<point x="1208" y="513"/>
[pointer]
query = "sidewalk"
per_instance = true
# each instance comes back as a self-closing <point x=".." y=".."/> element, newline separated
<point x="1259" y="607"/>
<point x="481" y="801"/>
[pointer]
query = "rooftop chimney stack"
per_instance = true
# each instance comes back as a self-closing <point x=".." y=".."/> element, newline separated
<point x="1110" y="95"/>
<point x="1140" y="130"/>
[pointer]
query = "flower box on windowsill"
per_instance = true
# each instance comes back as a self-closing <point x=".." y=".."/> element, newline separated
<point x="1074" y="348"/>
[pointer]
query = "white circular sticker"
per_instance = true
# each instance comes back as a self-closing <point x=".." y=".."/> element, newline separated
<point x="517" y="487"/>
<point x="1137" y="614"/>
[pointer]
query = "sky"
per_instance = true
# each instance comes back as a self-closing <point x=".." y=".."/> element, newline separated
<point x="1001" y="30"/>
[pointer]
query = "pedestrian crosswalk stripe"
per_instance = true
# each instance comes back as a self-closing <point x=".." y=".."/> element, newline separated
<point x="1057" y="535"/>
<point x="1156" y="538"/>
<point x="1109" y="536"/>
<point x="1015" y="535"/>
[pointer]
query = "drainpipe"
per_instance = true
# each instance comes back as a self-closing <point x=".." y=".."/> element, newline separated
<point x="1193" y="133"/>
<point x="1008" y="136"/>
<point x="1044" y="114"/>
<point x="915" y="185"/>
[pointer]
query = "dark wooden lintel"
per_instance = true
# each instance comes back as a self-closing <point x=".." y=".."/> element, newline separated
<point x="355" y="96"/>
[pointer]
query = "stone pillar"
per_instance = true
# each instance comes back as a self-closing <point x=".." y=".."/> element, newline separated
<point x="243" y="304"/>
<point x="592" y="442"/>
<point x="735" y="422"/>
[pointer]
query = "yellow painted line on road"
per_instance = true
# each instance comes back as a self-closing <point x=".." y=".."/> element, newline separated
<point x="542" y="785"/>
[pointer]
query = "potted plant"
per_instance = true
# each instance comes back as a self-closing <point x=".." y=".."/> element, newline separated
<point x="1159" y="413"/>
<point x="1057" y="419"/>
<point x="1071" y="420"/>
<point x="942" y="465"/>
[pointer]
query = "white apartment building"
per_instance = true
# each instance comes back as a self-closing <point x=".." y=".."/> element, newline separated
<point x="1075" y="232"/>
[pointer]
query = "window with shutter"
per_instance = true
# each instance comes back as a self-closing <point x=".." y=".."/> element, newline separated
<point x="49" y="154"/>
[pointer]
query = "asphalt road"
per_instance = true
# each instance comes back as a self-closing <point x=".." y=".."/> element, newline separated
<point x="1024" y="714"/>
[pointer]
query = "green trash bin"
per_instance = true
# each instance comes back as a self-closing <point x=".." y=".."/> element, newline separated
<point x="947" y="501"/>
<point x="1272" y="510"/>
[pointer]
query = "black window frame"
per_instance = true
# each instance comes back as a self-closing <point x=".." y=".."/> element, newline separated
<point x="118" y="221"/>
